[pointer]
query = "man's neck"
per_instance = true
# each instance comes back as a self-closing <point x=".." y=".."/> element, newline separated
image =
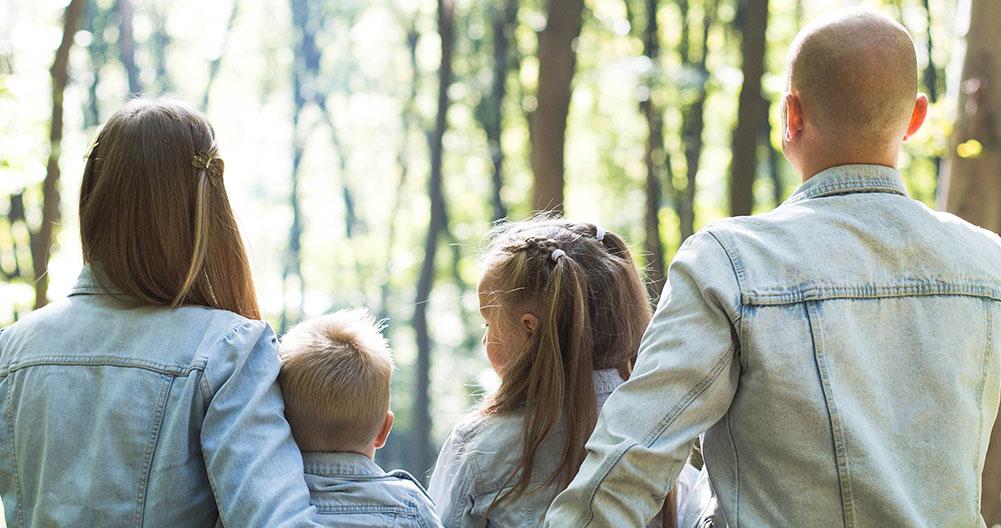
<point x="814" y="164"/>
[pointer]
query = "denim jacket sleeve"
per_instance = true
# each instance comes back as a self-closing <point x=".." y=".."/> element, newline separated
<point x="452" y="482"/>
<point x="684" y="381"/>
<point x="253" y="464"/>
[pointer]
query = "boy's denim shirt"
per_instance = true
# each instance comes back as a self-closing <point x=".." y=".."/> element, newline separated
<point x="122" y="416"/>
<point x="349" y="490"/>
<point x="842" y="353"/>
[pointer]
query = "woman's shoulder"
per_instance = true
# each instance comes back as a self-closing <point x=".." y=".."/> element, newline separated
<point x="481" y="430"/>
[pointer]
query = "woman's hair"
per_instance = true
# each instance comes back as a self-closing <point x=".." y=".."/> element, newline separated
<point x="583" y="286"/>
<point x="155" y="220"/>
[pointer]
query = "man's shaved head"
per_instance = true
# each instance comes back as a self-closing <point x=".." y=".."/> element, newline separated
<point x="855" y="73"/>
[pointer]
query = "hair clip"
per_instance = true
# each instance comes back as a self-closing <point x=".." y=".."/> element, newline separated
<point x="599" y="233"/>
<point x="202" y="160"/>
<point x="557" y="253"/>
<point x="208" y="161"/>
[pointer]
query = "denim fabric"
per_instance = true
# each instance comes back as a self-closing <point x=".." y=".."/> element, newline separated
<point x="841" y="354"/>
<point x="349" y="490"/>
<point x="121" y="416"/>
<point x="477" y="458"/>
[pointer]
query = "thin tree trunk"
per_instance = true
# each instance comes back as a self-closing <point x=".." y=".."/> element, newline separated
<point x="655" y="156"/>
<point x="504" y="18"/>
<point x="403" y="161"/>
<point x="752" y="110"/>
<point x="693" y="118"/>
<point x="436" y="226"/>
<point x="127" y="45"/>
<point x="557" y="62"/>
<point x="350" y="214"/>
<point x="307" y="59"/>
<point x="971" y="177"/>
<point x="774" y="162"/>
<point x="216" y="63"/>
<point x="97" y="20"/>
<point x="41" y="241"/>
<point x="931" y="83"/>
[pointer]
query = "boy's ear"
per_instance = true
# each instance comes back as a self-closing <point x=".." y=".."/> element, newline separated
<point x="387" y="426"/>
<point x="530" y="322"/>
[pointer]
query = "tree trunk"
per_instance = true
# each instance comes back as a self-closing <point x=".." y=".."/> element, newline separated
<point x="655" y="156"/>
<point x="931" y="83"/>
<point x="693" y="117"/>
<point x="304" y="68"/>
<point x="970" y="181"/>
<point x="97" y="20"/>
<point x="127" y="45"/>
<point x="407" y="119"/>
<point x="216" y="62"/>
<point x="503" y="20"/>
<point x="41" y="241"/>
<point x="422" y="403"/>
<point x="753" y="109"/>
<point x="557" y="61"/>
<point x="971" y="176"/>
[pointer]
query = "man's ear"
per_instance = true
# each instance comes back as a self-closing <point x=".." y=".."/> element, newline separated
<point x="387" y="426"/>
<point x="918" y="116"/>
<point x="792" y="116"/>
<point x="530" y="322"/>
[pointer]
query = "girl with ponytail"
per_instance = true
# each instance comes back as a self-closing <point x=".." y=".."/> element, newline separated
<point x="564" y="310"/>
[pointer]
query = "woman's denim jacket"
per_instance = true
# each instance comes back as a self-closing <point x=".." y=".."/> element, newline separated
<point x="842" y="353"/>
<point x="122" y="416"/>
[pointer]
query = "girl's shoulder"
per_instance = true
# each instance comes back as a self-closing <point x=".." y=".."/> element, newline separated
<point x="485" y="428"/>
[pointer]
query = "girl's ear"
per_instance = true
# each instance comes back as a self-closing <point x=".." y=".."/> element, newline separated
<point x="530" y="322"/>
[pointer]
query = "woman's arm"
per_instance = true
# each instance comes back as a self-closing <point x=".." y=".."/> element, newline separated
<point x="991" y="490"/>
<point x="253" y="465"/>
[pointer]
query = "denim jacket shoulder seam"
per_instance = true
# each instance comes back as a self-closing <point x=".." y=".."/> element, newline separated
<point x="738" y="272"/>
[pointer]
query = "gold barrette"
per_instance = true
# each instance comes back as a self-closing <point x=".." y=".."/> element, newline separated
<point x="208" y="161"/>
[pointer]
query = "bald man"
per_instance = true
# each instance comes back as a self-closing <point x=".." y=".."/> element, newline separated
<point x="842" y="354"/>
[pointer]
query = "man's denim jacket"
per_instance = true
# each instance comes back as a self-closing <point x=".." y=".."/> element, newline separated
<point x="122" y="416"/>
<point x="349" y="490"/>
<point x="842" y="353"/>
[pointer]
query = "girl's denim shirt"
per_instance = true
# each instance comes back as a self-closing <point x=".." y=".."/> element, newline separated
<point x="119" y="416"/>
<point x="477" y="458"/>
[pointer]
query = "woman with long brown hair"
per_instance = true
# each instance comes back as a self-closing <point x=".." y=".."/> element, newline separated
<point x="148" y="396"/>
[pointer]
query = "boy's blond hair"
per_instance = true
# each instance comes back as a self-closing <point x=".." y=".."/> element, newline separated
<point x="335" y="378"/>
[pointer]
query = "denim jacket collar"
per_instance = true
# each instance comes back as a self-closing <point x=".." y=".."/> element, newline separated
<point x="848" y="179"/>
<point x="340" y="464"/>
<point x="92" y="282"/>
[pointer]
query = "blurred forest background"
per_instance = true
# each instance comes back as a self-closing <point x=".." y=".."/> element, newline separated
<point x="370" y="144"/>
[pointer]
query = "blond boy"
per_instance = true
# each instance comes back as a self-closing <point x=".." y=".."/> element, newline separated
<point x="335" y="378"/>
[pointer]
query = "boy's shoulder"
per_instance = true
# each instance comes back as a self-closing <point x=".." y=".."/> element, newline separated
<point x="376" y="496"/>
